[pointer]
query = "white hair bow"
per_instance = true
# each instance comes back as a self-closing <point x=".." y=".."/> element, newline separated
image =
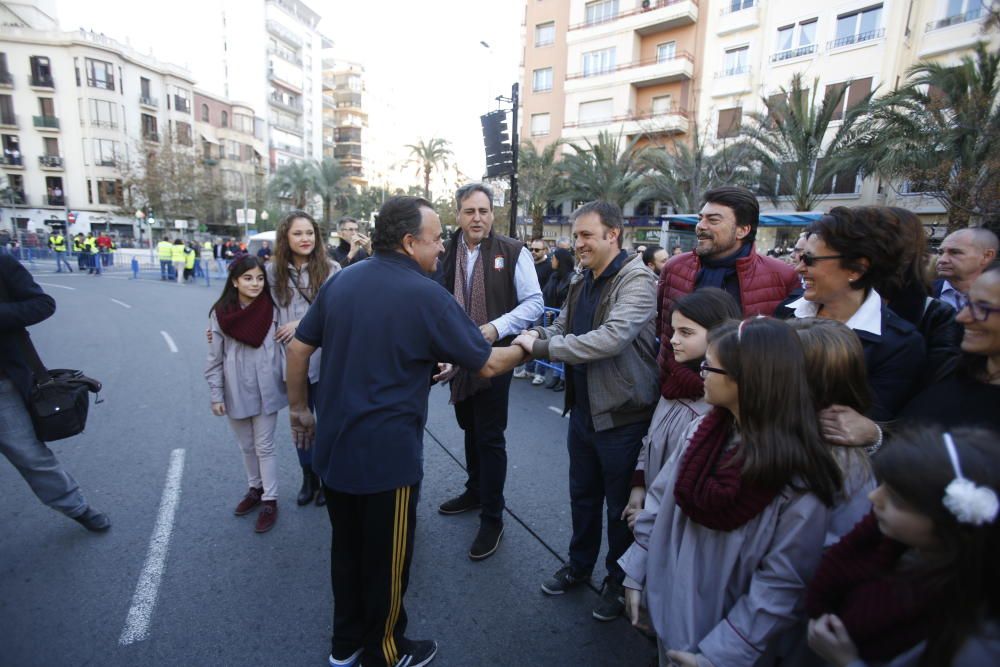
<point x="963" y="498"/>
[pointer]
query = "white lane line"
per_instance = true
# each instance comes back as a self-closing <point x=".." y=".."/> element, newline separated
<point x="558" y="411"/>
<point x="141" y="612"/>
<point x="121" y="303"/>
<point x="170" y="341"/>
<point x="59" y="286"/>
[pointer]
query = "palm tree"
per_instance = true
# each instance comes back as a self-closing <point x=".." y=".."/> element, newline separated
<point x="332" y="185"/>
<point x="295" y="181"/>
<point x="428" y="156"/>
<point x="941" y="130"/>
<point x="788" y="142"/>
<point x="681" y="173"/>
<point x="604" y="170"/>
<point x="539" y="180"/>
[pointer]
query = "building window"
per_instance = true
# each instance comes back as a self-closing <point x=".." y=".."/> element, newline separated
<point x="545" y="33"/>
<point x="539" y="124"/>
<point x="596" y="112"/>
<point x="858" y="26"/>
<point x="795" y="40"/>
<point x="737" y="61"/>
<point x="182" y="101"/>
<point x="109" y="191"/>
<point x="149" y="132"/>
<point x="204" y="114"/>
<point x="7" y="110"/>
<point x="845" y="182"/>
<point x="100" y="74"/>
<point x="737" y="5"/>
<point x="857" y="92"/>
<point x="666" y="51"/>
<point x="105" y="152"/>
<point x="5" y="75"/>
<point x="662" y="104"/>
<point x="225" y="119"/>
<point x="542" y="80"/>
<point x="54" y="191"/>
<point x="598" y="62"/>
<point x="729" y="122"/>
<point x="243" y="123"/>
<point x="41" y="72"/>
<point x="600" y="11"/>
<point x="183" y="133"/>
<point x="51" y="145"/>
<point x="103" y="114"/>
<point x="47" y="107"/>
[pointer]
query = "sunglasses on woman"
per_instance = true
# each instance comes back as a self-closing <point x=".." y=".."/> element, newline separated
<point x="810" y="260"/>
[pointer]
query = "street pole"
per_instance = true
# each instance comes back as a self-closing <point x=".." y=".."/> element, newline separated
<point x="514" y="149"/>
<point x="246" y="217"/>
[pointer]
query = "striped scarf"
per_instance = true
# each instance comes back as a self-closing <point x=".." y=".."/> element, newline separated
<point x="467" y="383"/>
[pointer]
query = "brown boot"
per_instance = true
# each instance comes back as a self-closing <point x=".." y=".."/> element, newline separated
<point x="250" y="500"/>
<point x="267" y="517"/>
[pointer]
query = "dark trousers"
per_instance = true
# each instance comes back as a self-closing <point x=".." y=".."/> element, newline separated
<point x="370" y="554"/>
<point x="600" y="470"/>
<point x="483" y="418"/>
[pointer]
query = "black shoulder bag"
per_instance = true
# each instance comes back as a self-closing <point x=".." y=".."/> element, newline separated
<point x="58" y="400"/>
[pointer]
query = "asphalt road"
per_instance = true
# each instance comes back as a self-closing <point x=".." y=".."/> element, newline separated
<point x="225" y="595"/>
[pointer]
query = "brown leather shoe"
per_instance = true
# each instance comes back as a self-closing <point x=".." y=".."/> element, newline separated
<point x="267" y="517"/>
<point x="250" y="500"/>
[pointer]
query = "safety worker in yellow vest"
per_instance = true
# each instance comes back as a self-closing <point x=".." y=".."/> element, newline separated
<point x="204" y="263"/>
<point x="58" y="244"/>
<point x="164" y="250"/>
<point x="177" y="257"/>
<point x="190" y="258"/>
<point x="79" y="250"/>
<point x="93" y="259"/>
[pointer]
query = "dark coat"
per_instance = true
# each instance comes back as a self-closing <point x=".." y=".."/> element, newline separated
<point x="23" y="305"/>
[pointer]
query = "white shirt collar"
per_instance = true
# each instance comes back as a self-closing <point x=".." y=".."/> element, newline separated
<point x="867" y="318"/>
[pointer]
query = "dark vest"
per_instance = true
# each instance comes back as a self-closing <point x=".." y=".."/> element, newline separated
<point x="499" y="255"/>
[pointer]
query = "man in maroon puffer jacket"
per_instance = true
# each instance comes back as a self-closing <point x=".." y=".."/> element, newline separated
<point x="725" y="257"/>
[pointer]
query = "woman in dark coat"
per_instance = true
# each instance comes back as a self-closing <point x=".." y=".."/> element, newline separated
<point x="555" y="290"/>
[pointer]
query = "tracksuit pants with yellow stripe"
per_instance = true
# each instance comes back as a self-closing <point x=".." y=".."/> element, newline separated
<point x="370" y="554"/>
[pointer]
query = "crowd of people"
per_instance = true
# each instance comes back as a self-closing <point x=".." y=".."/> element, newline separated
<point x="790" y="462"/>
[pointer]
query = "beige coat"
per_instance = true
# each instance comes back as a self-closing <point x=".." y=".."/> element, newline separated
<point x="296" y="310"/>
<point x="247" y="379"/>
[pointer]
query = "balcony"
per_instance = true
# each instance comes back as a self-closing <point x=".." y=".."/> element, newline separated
<point x="287" y="148"/>
<point x="8" y="120"/>
<point x="283" y="33"/>
<point x="12" y="161"/>
<point x="40" y="81"/>
<point x="106" y="162"/>
<point x="295" y="106"/>
<point x="955" y="19"/>
<point x="860" y="38"/>
<point x="741" y="19"/>
<point x="285" y="54"/>
<point x="288" y="127"/>
<point x="6" y="80"/>
<point x="107" y="124"/>
<point x="151" y="135"/>
<point x="106" y="84"/>
<point x="640" y="73"/>
<point x="149" y="102"/>
<point x="55" y="200"/>
<point x="733" y="81"/>
<point x="790" y="54"/>
<point x="661" y="15"/>
<point x="329" y="102"/>
<point x="46" y="122"/>
<point x="181" y="104"/>
<point x="50" y="161"/>
<point x="952" y="34"/>
<point x="668" y="122"/>
<point x="15" y="197"/>
<point x="347" y="152"/>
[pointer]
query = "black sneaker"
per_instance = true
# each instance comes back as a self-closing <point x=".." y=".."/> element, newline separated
<point x="420" y="652"/>
<point x="612" y="602"/>
<point x="459" y="504"/>
<point x="487" y="539"/>
<point x="94" y="521"/>
<point x="563" y="580"/>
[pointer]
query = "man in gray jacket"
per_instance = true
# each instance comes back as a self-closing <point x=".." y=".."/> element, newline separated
<point x="606" y="337"/>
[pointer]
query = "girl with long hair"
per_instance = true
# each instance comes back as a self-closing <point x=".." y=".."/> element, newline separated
<point x="297" y="270"/>
<point x="682" y="391"/>
<point x="916" y="582"/>
<point x="733" y="525"/>
<point x="245" y="382"/>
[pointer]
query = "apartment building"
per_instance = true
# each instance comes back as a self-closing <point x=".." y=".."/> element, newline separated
<point x="233" y="150"/>
<point x="345" y="120"/>
<point x="75" y="107"/>
<point x="273" y="55"/>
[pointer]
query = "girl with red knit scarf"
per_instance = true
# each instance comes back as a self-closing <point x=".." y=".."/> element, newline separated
<point x="916" y="583"/>
<point x="244" y="378"/>
<point x="732" y="528"/>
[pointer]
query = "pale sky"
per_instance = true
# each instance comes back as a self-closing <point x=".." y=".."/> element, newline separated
<point x="427" y="73"/>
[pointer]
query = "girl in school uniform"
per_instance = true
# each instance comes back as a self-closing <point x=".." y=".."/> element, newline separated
<point x="295" y="273"/>
<point x="915" y="584"/>
<point x="733" y="526"/>
<point x="245" y="380"/>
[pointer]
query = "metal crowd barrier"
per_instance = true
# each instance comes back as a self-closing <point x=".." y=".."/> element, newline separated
<point x="548" y="317"/>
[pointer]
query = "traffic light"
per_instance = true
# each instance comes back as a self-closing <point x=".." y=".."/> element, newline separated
<point x="499" y="156"/>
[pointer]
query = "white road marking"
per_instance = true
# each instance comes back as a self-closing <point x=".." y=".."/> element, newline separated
<point x="170" y="341"/>
<point x="121" y="303"/>
<point x="144" y="601"/>
<point x="59" y="286"/>
<point x="558" y="411"/>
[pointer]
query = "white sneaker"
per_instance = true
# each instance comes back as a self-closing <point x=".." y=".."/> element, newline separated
<point x="520" y="373"/>
<point x="537" y="380"/>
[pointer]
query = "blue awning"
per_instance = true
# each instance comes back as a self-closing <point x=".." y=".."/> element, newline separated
<point x="774" y="219"/>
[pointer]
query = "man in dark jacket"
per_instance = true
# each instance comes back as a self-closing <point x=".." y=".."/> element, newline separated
<point x="354" y="246"/>
<point x="22" y="304"/>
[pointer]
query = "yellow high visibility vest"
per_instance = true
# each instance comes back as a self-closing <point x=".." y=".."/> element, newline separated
<point x="189" y="257"/>
<point x="58" y="243"/>
<point x="165" y="250"/>
<point x="90" y="244"/>
<point x="177" y="252"/>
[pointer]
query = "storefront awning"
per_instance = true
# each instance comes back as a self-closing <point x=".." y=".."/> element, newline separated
<point x="209" y="138"/>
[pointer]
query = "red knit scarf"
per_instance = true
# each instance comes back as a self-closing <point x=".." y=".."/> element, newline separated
<point x="248" y="325"/>
<point x="679" y="381"/>
<point x="884" y="611"/>
<point x="710" y="489"/>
